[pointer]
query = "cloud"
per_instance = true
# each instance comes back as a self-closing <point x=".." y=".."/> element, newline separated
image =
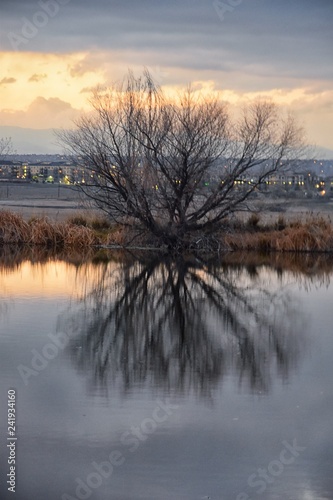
<point x="41" y="113"/>
<point x="90" y="63"/>
<point x="277" y="47"/>
<point x="315" y="103"/>
<point x="8" y="80"/>
<point x="92" y="89"/>
<point x="37" y="78"/>
<point x="256" y="38"/>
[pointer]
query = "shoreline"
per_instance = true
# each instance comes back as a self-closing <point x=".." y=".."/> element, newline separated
<point x="308" y="235"/>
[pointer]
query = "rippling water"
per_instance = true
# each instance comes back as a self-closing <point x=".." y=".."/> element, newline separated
<point x="186" y="379"/>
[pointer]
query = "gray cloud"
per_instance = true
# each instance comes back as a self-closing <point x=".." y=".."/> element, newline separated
<point x="273" y="42"/>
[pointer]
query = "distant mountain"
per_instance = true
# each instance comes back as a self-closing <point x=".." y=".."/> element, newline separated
<point x="30" y="141"/>
<point x="43" y="141"/>
<point x="323" y="153"/>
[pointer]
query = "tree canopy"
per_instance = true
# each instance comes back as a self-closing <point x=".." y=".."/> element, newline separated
<point x="6" y="147"/>
<point x="177" y="167"/>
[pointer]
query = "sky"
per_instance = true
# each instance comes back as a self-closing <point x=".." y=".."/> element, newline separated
<point x="54" y="52"/>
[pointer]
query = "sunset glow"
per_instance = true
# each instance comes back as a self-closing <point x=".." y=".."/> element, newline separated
<point x="278" y="51"/>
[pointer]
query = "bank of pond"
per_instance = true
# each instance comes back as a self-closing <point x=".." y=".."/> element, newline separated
<point x="313" y="234"/>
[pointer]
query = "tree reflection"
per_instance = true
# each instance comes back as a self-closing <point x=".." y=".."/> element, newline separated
<point x="182" y="325"/>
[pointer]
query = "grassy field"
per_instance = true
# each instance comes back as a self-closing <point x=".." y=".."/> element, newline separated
<point x="55" y="201"/>
<point x="58" y="202"/>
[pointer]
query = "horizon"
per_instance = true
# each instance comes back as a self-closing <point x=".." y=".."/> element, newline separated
<point x="20" y="134"/>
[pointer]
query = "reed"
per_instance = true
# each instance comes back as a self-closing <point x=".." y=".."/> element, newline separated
<point x="43" y="232"/>
<point x="78" y="236"/>
<point x="13" y="229"/>
<point x="311" y="235"/>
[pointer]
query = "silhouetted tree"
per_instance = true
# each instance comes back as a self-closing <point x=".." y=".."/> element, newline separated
<point x="176" y="168"/>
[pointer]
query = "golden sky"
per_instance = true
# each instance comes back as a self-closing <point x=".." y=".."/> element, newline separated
<point x="280" y="51"/>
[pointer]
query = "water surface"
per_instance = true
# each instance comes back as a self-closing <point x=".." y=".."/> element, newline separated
<point x="182" y="379"/>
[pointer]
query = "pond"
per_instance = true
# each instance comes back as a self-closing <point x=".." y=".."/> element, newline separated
<point x="136" y="377"/>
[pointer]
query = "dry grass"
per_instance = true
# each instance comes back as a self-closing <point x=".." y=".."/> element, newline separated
<point x="96" y="223"/>
<point x="100" y="227"/>
<point x="78" y="231"/>
<point x="42" y="232"/>
<point x="313" y="235"/>
<point x="77" y="236"/>
<point x="253" y="220"/>
<point x="13" y="229"/>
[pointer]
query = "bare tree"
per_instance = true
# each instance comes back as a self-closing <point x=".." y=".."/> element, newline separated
<point x="6" y="147"/>
<point x="177" y="167"/>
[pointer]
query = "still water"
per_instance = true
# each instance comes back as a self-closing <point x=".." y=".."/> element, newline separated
<point x="184" y="379"/>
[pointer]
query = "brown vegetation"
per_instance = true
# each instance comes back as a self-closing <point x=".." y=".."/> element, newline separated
<point x="312" y="235"/>
<point x="43" y="232"/>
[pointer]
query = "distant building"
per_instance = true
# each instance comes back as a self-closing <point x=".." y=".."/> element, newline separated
<point x="11" y="169"/>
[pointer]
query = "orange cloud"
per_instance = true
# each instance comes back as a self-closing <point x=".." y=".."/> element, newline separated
<point x="37" y="78"/>
<point x="62" y="83"/>
<point x="90" y="90"/>
<point x="41" y="113"/>
<point x="90" y="63"/>
<point x="49" y="77"/>
<point x="5" y="81"/>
